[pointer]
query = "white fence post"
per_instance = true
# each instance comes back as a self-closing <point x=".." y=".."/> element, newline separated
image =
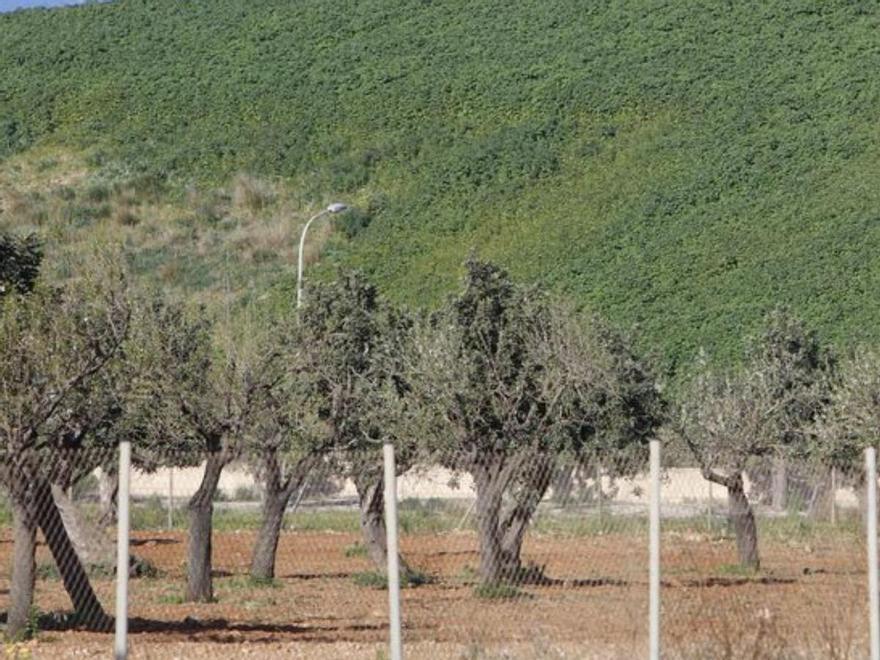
<point x="122" y="534"/>
<point x="654" y="578"/>
<point x="395" y="637"/>
<point x="873" y="585"/>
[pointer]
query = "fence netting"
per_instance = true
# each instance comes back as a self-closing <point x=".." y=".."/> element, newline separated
<point x="554" y="566"/>
<point x="541" y="559"/>
<point x="768" y="562"/>
<point x="57" y="542"/>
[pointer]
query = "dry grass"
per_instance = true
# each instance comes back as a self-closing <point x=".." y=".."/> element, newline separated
<point x="251" y="194"/>
<point x="212" y="245"/>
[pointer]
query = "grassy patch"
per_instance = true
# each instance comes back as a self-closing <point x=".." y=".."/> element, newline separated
<point x="468" y="574"/>
<point x="429" y="516"/>
<point x="152" y="514"/>
<point x="355" y="550"/>
<point x="587" y="525"/>
<point x="377" y="580"/>
<point x="247" y="582"/>
<point x="735" y="570"/>
<point x="497" y="591"/>
<point x="47" y="571"/>
<point x="372" y="579"/>
<point x="173" y="598"/>
<point x="324" y="521"/>
<point x="796" y="527"/>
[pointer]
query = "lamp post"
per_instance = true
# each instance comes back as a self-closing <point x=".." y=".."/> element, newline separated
<point x="336" y="207"/>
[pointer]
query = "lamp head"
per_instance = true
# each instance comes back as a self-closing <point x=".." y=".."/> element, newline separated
<point x="337" y="207"/>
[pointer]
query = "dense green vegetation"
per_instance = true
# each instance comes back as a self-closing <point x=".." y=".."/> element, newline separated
<point x="682" y="166"/>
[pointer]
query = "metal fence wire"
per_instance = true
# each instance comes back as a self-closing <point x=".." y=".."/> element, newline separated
<point x="546" y="559"/>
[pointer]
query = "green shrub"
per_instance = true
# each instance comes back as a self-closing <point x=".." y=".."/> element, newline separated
<point x="251" y="194"/>
<point x="377" y="580"/>
<point x="98" y="192"/>
<point x="355" y="550"/>
<point x="497" y="591"/>
<point x="47" y="571"/>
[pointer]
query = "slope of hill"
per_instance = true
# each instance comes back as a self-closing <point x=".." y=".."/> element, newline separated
<point x="682" y="166"/>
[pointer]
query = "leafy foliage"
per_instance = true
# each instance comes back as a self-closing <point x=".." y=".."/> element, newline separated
<point x="59" y="408"/>
<point x="852" y="421"/>
<point x="512" y="384"/>
<point x="765" y="409"/>
<point x="19" y="263"/>
<point x="683" y="166"/>
<point x="351" y="344"/>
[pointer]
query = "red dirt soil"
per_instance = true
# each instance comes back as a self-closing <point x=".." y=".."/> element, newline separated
<point x="809" y="599"/>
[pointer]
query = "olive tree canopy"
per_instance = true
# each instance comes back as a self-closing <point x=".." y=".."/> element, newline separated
<point x="510" y="383"/>
<point x="56" y="412"/>
<point x="735" y="419"/>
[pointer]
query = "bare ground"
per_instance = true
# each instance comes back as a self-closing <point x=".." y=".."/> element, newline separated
<point x="809" y="601"/>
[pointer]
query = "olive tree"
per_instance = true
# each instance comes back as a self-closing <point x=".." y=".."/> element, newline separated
<point x="851" y="422"/>
<point x="511" y="384"/>
<point x="208" y="391"/>
<point x="735" y="419"/>
<point x="55" y="345"/>
<point x="349" y="355"/>
<point x="283" y="459"/>
<point x="285" y="443"/>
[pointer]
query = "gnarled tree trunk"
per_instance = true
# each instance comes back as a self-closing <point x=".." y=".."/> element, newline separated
<point x="73" y="574"/>
<point x="277" y="495"/>
<point x="92" y="545"/>
<point x="488" y="510"/>
<point x="108" y="487"/>
<point x="199" y="586"/>
<point x="21" y="588"/>
<point x="266" y="547"/>
<point x="742" y="518"/>
<point x="534" y="487"/>
<point x="371" y="501"/>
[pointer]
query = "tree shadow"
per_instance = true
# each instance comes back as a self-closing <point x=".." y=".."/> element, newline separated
<point x="447" y="553"/>
<point x="191" y="624"/>
<point x="153" y="541"/>
<point x="535" y="575"/>
<point x="216" y="630"/>
<point x="224" y="631"/>
<point x="316" y="576"/>
<point x="590" y="582"/>
<point x="63" y="621"/>
<point x="732" y="581"/>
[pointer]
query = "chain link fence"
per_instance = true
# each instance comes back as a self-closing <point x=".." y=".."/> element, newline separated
<point x="778" y="573"/>
<point x="548" y="561"/>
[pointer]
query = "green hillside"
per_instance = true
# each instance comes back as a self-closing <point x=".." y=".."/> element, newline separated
<point x="678" y="165"/>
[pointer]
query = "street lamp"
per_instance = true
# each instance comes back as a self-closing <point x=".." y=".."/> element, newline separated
<point x="336" y="207"/>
